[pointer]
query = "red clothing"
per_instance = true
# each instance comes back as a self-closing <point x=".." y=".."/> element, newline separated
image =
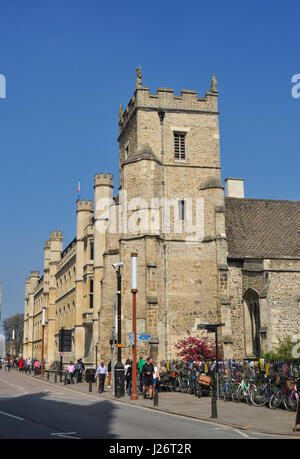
<point x="21" y="362"/>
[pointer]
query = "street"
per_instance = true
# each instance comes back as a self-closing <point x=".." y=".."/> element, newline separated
<point x="31" y="408"/>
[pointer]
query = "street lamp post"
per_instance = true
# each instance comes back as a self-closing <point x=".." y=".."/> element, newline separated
<point x="134" y="395"/>
<point x="43" y="334"/>
<point x="213" y="328"/>
<point x="12" y="349"/>
<point x="119" y="370"/>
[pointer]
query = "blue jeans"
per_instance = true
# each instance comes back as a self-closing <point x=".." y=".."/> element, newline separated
<point x="129" y="387"/>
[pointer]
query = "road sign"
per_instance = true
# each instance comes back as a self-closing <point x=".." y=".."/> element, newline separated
<point x="144" y="337"/>
<point x="65" y="340"/>
<point x="131" y="339"/>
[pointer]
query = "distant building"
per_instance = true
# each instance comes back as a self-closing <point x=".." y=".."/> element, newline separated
<point x="205" y="256"/>
<point x="2" y="337"/>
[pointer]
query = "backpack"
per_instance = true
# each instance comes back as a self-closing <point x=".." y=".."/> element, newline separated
<point x="77" y="367"/>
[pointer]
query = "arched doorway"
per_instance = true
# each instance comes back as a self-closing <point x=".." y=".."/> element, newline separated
<point x="252" y="323"/>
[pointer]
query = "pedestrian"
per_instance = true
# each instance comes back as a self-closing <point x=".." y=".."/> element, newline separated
<point x="36" y="367"/>
<point x="109" y="374"/>
<point x="147" y="371"/>
<point x="156" y="378"/>
<point x="78" y="370"/>
<point x="128" y="377"/>
<point x="70" y="372"/>
<point x="21" y="364"/>
<point x="28" y="367"/>
<point x="127" y="364"/>
<point x="102" y="372"/>
<point x="82" y="369"/>
<point x="140" y="365"/>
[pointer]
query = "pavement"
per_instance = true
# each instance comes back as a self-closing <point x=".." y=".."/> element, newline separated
<point x="237" y="415"/>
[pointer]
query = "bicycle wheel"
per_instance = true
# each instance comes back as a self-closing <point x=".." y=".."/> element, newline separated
<point x="185" y="385"/>
<point x="192" y="387"/>
<point x="237" y="395"/>
<point x="275" y="400"/>
<point x="227" y="394"/>
<point x="258" y="396"/>
<point x="290" y="400"/>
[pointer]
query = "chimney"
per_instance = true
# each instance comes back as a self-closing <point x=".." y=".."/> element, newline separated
<point x="234" y="188"/>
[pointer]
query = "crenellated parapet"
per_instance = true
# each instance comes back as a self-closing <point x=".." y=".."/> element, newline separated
<point x="188" y="100"/>
<point x="58" y="235"/>
<point x="85" y="206"/>
<point x="104" y="179"/>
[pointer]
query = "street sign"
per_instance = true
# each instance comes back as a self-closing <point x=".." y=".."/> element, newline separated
<point x="210" y="328"/>
<point x="131" y="339"/>
<point x="65" y="340"/>
<point x="144" y="337"/>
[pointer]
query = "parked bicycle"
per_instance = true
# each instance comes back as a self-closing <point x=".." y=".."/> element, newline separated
<point x="291" y="395"/>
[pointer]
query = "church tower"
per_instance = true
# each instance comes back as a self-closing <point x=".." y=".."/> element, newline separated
<point x="171" y="203"/>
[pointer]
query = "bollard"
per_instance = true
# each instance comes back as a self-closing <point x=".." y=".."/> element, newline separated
<point x="155" y="397"/>
<point x="55" y="378"/>
<point x="214" y="413"/>
<point x="119" y="380"/>
<point x="90" y="387"/>
<point x="48" y="375"/>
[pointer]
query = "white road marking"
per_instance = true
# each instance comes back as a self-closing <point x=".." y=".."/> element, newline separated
<point x="17" y="387"/>
<point x="66" y="435"/>
<point x="243" y="434"/>
<point x="12" y="416"/>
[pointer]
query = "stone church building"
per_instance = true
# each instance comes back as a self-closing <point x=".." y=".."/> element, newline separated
<point x="206" y="254"/>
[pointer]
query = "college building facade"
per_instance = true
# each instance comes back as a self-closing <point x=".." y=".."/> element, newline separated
<point x="205" y="254"/>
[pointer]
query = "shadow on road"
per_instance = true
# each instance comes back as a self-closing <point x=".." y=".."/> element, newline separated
<point x="44" y="417"/>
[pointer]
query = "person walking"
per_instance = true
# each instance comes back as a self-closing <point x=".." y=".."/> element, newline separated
<point x="109" y="374"/>
<point x="127" y="364"/>
<point x="36" y="366"/>
<point x="78" y="371"/>
<point x="147" y="371"/>
<point x="140" y="365"/>
<point x="102" y="372"/>
<point x="156" y="378"/>
<point x="28" y="365"/>
<point x="70" y="372"/>
<point x="128" y="377"/>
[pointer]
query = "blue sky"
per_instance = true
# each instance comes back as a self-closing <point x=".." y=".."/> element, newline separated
<point x="68" y="65"/>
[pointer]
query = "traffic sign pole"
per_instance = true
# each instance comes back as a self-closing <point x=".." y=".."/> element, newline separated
<point x="213" y="329"/>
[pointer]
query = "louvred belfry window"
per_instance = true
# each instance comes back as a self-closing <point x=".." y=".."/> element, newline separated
<point x="179" y="145"/>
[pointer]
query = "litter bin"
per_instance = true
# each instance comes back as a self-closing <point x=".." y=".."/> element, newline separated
<point x="90" y="375"/>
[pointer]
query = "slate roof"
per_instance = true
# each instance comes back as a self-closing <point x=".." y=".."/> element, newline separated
<point x="262" y="228"/>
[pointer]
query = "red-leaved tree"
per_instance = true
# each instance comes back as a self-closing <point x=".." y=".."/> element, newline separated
<point x="194" y="348"/>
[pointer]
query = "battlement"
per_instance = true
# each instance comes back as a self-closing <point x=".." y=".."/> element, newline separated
<point x="47" y="245"/>
<point x="85" y="205"/>
<point x="188" y="100"/>
<point x="56" y="235"/>
<point x="34" y="274"/>
<point x="104" y="179"/>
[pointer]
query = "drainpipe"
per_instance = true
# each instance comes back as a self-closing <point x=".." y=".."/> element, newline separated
<point x="161" y="114"/>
